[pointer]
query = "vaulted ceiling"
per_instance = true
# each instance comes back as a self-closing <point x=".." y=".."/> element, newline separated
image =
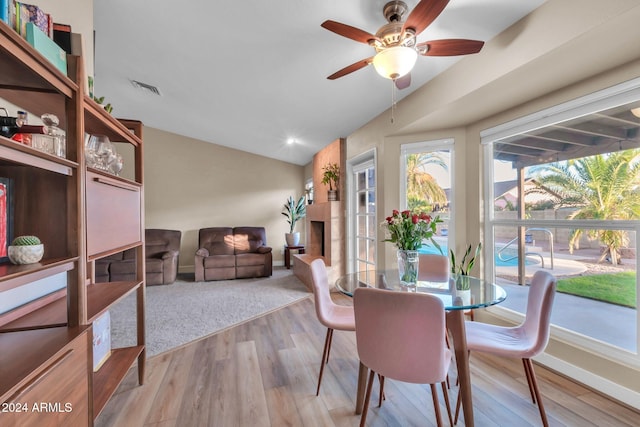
<point x="252" y="75"/>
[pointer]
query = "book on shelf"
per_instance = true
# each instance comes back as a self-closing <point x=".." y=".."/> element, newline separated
<point x="47" y="47"/>
<point x="101" y="340"/>
<point x="26" y="13"/>
<point x="4" y="11"/>
<point x="62" y="36"/>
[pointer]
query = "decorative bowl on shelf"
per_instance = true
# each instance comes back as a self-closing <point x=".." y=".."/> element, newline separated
<point x="25" y="250"/>
<point x="26" y="254"/>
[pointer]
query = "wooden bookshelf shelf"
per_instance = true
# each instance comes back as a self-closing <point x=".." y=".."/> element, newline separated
<point x="100" y="296"/>
<point x="15" y="152"/>
<point x="110" y="375"/>
<point x="12" y="276"/>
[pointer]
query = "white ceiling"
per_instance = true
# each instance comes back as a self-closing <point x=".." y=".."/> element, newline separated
<point x="252" y="74"/>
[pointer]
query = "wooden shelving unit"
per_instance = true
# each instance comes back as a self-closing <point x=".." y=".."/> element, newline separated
<point x="45" y="344"/>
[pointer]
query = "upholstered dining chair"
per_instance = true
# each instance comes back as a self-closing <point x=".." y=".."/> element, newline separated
<point x="402" y="336"/>
<point x="524" y="341"/>
<point x="332" y="315"/>
<point x="433" y="268"/>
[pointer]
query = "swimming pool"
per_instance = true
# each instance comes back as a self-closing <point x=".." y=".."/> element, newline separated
<point x="507" y="258"/>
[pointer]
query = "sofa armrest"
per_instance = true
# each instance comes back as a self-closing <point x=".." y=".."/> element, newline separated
<point x="263" y="250"/>
<point x="202" y="252"/>
<point x="170" y="254"/>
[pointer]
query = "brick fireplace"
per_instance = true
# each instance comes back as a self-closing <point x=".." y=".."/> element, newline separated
<point x="324" y="239"/>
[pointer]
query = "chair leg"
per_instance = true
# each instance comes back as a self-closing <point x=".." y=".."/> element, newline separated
<point x="436" y="404"/>
<point x="329" y="347"/>
<point x="446" y="401"/>
<point x="527" y="372"/>
<point x="382" y="397"/>
<point x="367" y="397"/>
<point x="325" y="357"/>
<point x="534" y="385"/>
<point x="458" y="402"/>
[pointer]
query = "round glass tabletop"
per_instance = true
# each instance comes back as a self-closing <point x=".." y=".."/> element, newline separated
<point x="458" y="293"/>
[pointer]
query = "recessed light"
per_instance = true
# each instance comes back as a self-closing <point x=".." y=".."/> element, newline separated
<point x="291" y="141"/>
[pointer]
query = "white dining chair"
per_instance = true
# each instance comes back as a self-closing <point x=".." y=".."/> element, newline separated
<point x="524" y="341"/>
<point x="402" y="336"/>
<point x="332" y="315"/>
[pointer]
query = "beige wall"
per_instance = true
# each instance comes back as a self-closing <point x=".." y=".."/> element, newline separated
<point x="563" y="50"/>
<point x="191" y="184"/>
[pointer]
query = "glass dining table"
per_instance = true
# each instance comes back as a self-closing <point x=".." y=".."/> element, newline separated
<point x="478" y="293"/>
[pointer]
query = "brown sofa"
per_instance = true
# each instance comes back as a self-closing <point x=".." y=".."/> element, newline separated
<point x="162" y="248"/>
<point x="232" y="253"/>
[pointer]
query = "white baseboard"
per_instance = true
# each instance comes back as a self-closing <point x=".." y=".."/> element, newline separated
<point x="589" y="379"/>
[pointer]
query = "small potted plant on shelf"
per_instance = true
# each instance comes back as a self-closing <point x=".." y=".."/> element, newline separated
<point x="294" y="211"/>
<point x="108" y="107"/>
<point x="331" y="177"/>
<point x="25" y="250"/>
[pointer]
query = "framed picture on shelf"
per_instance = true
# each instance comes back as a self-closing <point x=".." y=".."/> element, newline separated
<point x="6" y="217"/>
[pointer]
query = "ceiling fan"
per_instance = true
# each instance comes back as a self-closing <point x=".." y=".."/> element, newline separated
<point x="395" y="42"/>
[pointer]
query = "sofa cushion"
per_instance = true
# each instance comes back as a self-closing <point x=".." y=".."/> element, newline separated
<point x="219" y="261"/>
<point x="124" y="267"/>
<point x="217" y="240"/>
<point x="243" y="260"/>
<point x="248" y="239"/>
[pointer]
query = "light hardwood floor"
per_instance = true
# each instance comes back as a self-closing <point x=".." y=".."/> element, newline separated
<point x="263" y="373"/>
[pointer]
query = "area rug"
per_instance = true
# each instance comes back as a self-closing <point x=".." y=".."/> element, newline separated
<point x="186" y="310"/>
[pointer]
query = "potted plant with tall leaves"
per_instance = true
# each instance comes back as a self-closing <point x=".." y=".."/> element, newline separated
<point x="462" y="270"/>
<point x="331" y="177"/>
<point x="294" y="211"/>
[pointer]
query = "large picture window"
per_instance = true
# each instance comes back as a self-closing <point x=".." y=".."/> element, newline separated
<point x="426" y="185"/>
<point x="564" y="187"/>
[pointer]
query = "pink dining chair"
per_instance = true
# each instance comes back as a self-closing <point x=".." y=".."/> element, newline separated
<point x="401" y="335"/>
<point x="433" y="268"/>
<point x="332" y="315"/>
<point x="525" y="341"/>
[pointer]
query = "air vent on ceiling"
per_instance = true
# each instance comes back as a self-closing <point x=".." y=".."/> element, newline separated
<point x="146" y="87"/>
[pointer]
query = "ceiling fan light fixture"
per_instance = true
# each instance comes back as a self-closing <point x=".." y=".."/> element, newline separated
<point x="636" y="112"/>
<point x="395" y="62"/>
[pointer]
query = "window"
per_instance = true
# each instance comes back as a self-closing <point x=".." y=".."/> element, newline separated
<point x="426" y="185"/>
<point x="565" y="191"/>
<point x="364" y="181"/>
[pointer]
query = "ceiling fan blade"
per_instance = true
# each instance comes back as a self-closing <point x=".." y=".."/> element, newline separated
<point x="424" y="14"/>
<point x="404" y="81"/>
<point x="450" y="47"/>
<point x="348" y="31"/>
<point x="351" y="68"/>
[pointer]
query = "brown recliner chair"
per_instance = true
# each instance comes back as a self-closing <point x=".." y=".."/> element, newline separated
<point x="119" y="267"/>
<point x="232" y="253"/>
<point x="162" y="248"/>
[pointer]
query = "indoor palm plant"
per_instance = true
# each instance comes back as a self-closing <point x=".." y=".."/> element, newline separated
<point x="408" y="231"/>
<point x="331" y="177"/>
<point x="293" y="211"/>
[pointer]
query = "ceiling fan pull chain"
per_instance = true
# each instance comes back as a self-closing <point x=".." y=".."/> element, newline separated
<point x="393" y="99"/>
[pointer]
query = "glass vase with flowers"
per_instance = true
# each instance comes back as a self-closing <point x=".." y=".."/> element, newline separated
<point x="408" y="231"/>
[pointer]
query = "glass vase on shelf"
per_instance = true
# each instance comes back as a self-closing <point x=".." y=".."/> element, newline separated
<point x="408" y="267"/>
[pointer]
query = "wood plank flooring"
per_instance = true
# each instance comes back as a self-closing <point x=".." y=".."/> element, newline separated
<point x="264" y="373"/>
